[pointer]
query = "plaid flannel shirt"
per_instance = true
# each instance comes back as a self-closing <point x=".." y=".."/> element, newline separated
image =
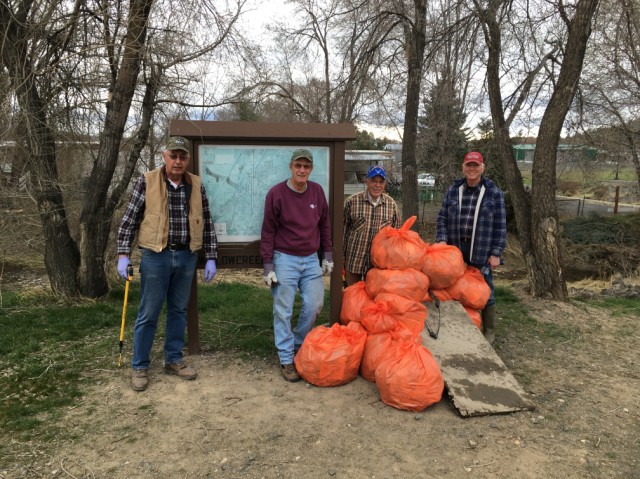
<point x="361" y="223"/>
<point x="491" y="228"/>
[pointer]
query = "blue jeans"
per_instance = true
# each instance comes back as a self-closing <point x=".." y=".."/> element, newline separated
<point x="165" y="275"/>
<point x="465" y="247"/>
<point x="293" y="273"/>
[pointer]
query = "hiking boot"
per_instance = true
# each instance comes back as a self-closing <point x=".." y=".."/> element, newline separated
<point x="139" y="379"/>
<point x="289" y="373"/>
<point x="181" y="369"/>
<point x="488" y="323"/>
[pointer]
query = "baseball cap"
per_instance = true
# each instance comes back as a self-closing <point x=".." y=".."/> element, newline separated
<point x="473" y="157"/>
<point x="376" y="170"/>
<point x="178" y="143"/>
<point x="302" y="153"/>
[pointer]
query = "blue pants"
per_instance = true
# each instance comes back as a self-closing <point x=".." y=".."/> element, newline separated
<point x="293" y="273"/>
<point x="165" y="275"/>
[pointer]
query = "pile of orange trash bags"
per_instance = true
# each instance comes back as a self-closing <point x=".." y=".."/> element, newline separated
<point x="383" y="317"/>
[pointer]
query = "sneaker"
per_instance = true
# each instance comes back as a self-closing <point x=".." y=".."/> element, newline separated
<point x="289" y="373"/>
<point x="181" y="369"/>
<point x="139" y="379"/>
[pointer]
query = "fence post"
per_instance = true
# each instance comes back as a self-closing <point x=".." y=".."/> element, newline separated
<point x="615" y="206"/>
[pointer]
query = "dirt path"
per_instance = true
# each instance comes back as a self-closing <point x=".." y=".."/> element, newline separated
<point x="240" y="419"/>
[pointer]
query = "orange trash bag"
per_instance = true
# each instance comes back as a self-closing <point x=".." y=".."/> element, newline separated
<point x="471" y="290"/>
<point x="399" y="248"/>
<point x="376" y="345"/>
<point x="443" y="265"/>
<point x="331" y="356"/>
<point x="378" y="318"/>
<point x="408" y="377"/>
<point x="407" y="312"/>
<point x="408" y="283"/>
<point x="441" y="294"/>
<point x="475" y="316"/>
<point x="354" y="299"/>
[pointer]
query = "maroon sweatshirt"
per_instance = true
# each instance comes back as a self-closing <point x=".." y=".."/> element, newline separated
<point x="295" y="223"/>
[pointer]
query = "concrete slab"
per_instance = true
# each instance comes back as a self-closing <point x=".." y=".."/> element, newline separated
<point x="476" y="379"/>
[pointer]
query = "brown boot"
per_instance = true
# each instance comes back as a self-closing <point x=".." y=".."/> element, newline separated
<point x="139" y="379"/>
<point x="181" y="369"/>
<point x="488" y="320"/>
<point x="290" y="373"/>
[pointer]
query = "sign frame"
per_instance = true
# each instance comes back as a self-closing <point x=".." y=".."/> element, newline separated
<point x="238" y="133"/>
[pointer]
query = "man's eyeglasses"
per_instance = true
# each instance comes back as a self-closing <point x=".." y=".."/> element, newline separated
<point x="175" y="156"/>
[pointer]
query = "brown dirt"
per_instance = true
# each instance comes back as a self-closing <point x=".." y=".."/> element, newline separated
<point x="240" y="419"/>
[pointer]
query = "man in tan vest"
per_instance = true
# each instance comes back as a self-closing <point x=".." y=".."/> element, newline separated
<point x="170" y="213"/>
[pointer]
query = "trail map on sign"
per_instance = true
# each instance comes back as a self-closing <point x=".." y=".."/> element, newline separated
<point x="237" y="179"/>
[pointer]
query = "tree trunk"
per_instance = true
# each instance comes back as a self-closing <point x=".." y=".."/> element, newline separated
<point x="537" y="221"/>
<point x="61" y="256"/>
<point x="504" y="148"/>
<point x="96" y="217"/>
<point x="415" y="42"/>
<point x="546" y="277"/>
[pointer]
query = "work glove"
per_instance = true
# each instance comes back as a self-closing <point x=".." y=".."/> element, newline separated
<point x="327" y="267"/>
<point x="269" y="275"/>
<point x="123" y="266"/>
<point x="271" y="279"/>
<point x="209" y="270"/>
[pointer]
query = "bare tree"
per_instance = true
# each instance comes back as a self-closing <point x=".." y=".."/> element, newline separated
<point x="413" y="16"/>
<point x="609" y="96"/>
<point x="327" y="65"/>
<point x="96" y="63"/>
<point x="537" y="222"/>
<point x="450" y="62"/>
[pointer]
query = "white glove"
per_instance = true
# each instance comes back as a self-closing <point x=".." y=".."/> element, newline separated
<point x="271" y="279"/>
<point x="327" y="267"/>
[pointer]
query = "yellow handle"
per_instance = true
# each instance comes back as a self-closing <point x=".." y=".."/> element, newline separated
<point x="124" y="310"/>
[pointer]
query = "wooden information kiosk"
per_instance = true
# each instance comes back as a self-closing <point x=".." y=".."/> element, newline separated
<point x="238" y="163"/>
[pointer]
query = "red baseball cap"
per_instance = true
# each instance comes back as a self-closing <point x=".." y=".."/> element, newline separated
<point x="473" y="157"/>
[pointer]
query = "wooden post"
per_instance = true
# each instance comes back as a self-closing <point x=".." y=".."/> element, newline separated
<point x="193" y="321"/>
<point x="336" y="210"/>
<point x="615" y="206"/>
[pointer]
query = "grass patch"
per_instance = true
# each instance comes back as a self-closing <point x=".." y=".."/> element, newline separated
<point x="47" y="346"/>
<point x="520" y="336"/>
<point x="516" y="325"/>
<point x="50" y="346"/>
<point x="616" y="306"/>
<point x="596" y="229"/>
<point x="239" y="317"/>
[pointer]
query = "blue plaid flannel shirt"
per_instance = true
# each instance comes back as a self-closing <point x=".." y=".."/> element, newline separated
<point x="491" y="228"/>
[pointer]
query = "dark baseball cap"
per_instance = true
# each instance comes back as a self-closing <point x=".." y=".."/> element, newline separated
<point x="178" y="143"/>
<point x="302" y="153"/>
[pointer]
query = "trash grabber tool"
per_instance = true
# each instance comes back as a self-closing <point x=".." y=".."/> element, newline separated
<point x="124" y="310"/>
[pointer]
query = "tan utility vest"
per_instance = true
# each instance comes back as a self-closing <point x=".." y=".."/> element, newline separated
<point x="154" y="228"/>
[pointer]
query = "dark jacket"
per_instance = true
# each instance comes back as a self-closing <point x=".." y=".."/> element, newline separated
<point x="490" y="230"/>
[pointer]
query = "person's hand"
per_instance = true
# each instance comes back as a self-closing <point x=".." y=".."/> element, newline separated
<point x="209" y="270"/>
<point x="270" y="279"/>
<point x="494" y="261"/>
<point x="123" y="266"/>
<point x="269" y="275"/>
<point x="327" y="267"/>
